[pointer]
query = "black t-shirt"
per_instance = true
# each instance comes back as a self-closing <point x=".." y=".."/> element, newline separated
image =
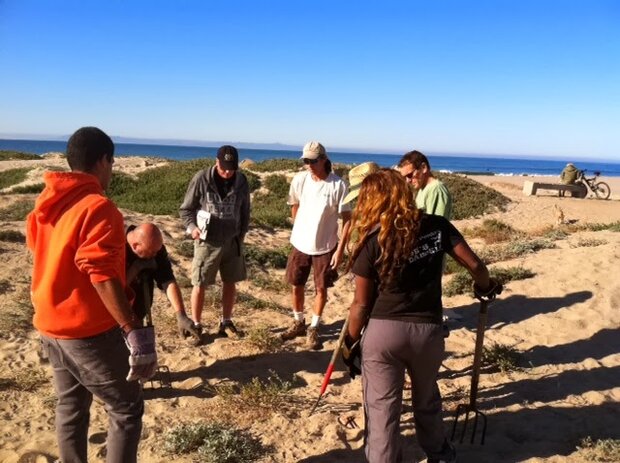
<point x="223" y="185"/>
<point x="415" y="295"/>
<point x="146" y="279"/>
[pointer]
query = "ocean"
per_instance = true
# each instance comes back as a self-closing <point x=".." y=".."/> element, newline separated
<point x="445" y="163"/>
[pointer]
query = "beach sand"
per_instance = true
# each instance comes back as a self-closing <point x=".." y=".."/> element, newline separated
<point x="564" y="321"/>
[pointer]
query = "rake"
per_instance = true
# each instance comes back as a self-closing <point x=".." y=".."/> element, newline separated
<point x="471" y="408"/>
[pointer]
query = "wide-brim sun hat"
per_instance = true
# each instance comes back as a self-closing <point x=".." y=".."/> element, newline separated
<point x="356" y="176"/>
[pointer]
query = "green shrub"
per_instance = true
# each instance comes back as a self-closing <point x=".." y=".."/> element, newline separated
<point x="261" y="256"/>
<point x="269" y="210"/>
<point x="26" y="380"/>
<point x="185" y="248"/>
<point x="461" y="282"/>
<point x="9" y="155"/>
<point x="613" y="226"/>
<point x="471" y="198"/>
<point x="254" y="182"/>
<point x="214" y="443"/>
<point x="26" y="189"/>
<point x="587" y="243"/>
<point x="158" y="191"/>
<point x="600" y="450"/>
<point x="17" y="211"/>
<point x="12" y="236"/>
<point x="515" y="249"/>
<point x="263" y="339"/>
<point x="275" y="165"/>
<point x="502" y="357"/>
<point x="277" y="185"/>
<point x="13" y="176"/>
<point x="493" y="231"/>
<point x="269" y="282"/>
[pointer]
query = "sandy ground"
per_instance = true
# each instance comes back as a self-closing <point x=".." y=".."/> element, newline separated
<point x="564" y="321"/>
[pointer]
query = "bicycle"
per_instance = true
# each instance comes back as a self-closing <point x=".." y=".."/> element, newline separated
<point x="600" y="189"/>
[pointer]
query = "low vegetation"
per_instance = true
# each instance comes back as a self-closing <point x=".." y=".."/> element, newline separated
<point x="12" y="236"/>
<point x="13" y="176"/>
<point x="214" y="443"/>
<point x="27" y="189"/>
<point x="185" y="248"/>
<point x="263" y="339"/>
<point x="461" y="282"/>
<point x="600" y="450"/>
<point x="493" y="231"/>
<point x="501" y="357"/>
<point x="587" y="243"/>
<point x="472" y="199"/>
<point x="277" y="185"/>
<point x="16" y="211"/>
<point x="270" y="210"/>
<point x="276" y="165"/>
<point x="269" y="282"/>
<point x="25" y="380"/>
<point x="514" y="249"/>
<point x="261" y="256"/>
<point x="9" y="155"/>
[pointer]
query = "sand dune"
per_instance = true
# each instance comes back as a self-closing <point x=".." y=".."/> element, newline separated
<point x="564" y="321"/>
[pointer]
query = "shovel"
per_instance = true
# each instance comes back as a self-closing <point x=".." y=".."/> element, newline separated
<point x="471" y="407"/>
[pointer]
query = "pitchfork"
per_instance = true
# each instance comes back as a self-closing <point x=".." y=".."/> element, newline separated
<point x="475" y="375"/>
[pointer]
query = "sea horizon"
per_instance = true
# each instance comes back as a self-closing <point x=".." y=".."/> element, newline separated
<point x="470" y="163"/>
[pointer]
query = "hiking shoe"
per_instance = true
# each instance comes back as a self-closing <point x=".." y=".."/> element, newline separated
<point x="314" y="342"/>
<point x="298" y="329"/>
<point x="448" y="450"/>
<point x="228" y="329"/>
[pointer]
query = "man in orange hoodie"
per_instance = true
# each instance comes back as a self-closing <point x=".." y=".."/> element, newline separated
<point x="77" y="239"/>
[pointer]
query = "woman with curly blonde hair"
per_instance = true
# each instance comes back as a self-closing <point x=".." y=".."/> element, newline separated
<point x="397" y="261"/>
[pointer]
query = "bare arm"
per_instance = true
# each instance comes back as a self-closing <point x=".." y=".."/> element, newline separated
<point x="346" y="226"/>
<point x="294" y="209"/>
<point x="173" y="293"/>
<point x="361" y="306"/>
<point x="468" y="259"/>
<point x="113" y="297"/>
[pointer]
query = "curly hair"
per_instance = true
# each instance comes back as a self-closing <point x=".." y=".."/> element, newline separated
<point x="386" y="200"/>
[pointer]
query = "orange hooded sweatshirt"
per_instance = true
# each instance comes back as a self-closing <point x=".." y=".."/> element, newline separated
<point x="77" y="238"/>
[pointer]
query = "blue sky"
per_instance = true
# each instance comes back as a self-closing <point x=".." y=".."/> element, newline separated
<point x="514" y="77"/>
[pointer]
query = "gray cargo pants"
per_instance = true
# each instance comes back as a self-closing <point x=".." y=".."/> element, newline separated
<point x="99" y="366"/>
<point x="389" y="347"/>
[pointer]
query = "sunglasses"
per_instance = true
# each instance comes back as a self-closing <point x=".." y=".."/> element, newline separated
<point x="310" y="161"/>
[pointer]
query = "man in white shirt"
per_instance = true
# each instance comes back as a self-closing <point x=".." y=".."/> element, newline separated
<point x="316" y="197"/>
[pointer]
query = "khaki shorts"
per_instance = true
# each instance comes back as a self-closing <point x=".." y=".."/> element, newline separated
<point x="209" y="259"/>
<point x="298" y="269"/>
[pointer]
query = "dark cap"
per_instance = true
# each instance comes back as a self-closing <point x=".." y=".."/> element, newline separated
<point x="228" y="157"/>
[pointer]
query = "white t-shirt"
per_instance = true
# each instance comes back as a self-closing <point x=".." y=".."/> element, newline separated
<point x="320" y="202"/>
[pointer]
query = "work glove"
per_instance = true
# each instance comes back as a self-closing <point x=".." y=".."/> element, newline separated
<point x="495" y="288"/>
<point x="142" y="355"/>
<point x="187" y="327"/>
<point x="352" y="352"/>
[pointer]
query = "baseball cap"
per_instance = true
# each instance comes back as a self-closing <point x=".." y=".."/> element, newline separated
<point x="312" y="150"/>
<point x="228" y="157"/>
<point x="356" y="176"/>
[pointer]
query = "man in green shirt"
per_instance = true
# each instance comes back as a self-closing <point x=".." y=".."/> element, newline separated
<point x="432" y="195"/>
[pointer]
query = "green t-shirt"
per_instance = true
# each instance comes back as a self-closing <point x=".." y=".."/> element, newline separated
<point x="435" y="199"/>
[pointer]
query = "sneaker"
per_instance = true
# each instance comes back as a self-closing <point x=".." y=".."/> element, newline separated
<point x="298" y="329"/>
<point x="228" y="329"/>
<point x="314" y="342"/>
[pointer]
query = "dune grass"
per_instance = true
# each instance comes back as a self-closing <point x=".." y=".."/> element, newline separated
<point x="276" y="165"/>
<point x="600" y="450"/>
<point x="501" y="357"/>
<point x="263" y="339"/>
<point x="471" y="198"/>
<point x="28" y="189"/>
<point x="493" y="231"/>
<point x="16" y="211"/>
<point x="214" y="443"/>
<point x="461" y="282"/>
<point x="13" y="176"/>
<point x="262" y="256"/>
<point x="514" y="249"/>
<point x="10" y="155"/>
